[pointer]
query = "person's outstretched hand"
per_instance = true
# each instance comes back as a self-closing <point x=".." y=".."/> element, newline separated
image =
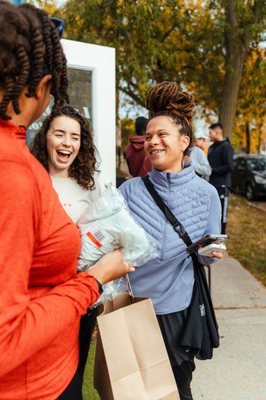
<point x="111" y="266"/>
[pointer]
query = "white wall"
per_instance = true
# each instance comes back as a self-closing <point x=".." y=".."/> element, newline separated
<point x="101" y="61"/>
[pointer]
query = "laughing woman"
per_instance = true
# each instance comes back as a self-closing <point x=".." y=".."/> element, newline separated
<point x="64" y="146"/>
<point x="168" y="280"/>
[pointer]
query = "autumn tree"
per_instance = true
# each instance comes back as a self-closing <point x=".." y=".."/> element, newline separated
<point x="201" y="45"/>
<point x="154" y="41"/>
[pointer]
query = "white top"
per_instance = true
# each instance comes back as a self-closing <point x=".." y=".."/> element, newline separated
<point x="73" y="197"/>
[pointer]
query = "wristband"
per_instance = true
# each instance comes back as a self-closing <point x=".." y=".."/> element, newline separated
<point x="100" y="286"/>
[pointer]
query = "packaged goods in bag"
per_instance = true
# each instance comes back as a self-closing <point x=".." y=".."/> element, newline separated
<point x="106" y="225"/>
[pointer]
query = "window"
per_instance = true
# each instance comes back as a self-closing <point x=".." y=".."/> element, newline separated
<point x="257" y="164"/>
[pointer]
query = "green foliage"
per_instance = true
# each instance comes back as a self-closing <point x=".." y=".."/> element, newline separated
<point x="183" y="41"/>
<point x="155" y="41"/>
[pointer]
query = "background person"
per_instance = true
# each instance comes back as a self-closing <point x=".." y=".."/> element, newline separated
<point x="138" y="164"/>
<point x="199" y="162"/>
<point x="41" y="296"/>
<point x="168" y="280"/>
<point x="64" y="146"/>
<point x="201" y="142"/>
<point x="220" y="157"/>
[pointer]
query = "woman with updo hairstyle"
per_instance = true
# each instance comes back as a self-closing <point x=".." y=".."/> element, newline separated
<point x="168" y="280"/>
<point x="42" y="298"/>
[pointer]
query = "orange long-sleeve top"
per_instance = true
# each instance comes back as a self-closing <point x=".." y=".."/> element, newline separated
<point x="41" y="296"/>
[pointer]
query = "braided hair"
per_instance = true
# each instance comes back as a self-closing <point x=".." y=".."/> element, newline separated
<point x="85" y="164"/>
<point x="29" y="49"/>
<point x="165" y="99"/>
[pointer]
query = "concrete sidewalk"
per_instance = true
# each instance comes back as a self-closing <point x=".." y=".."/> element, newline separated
<point x="238" y="368"/>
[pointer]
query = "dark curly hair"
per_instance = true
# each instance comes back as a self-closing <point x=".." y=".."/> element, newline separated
<point x="85" y="164"/>
<point x="29" y="49"/>
<point x="165" y="99"/>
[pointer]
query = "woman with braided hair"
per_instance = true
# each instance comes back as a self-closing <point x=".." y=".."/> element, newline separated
<point x="169" y="279"/>
<point x="42" y="298"/>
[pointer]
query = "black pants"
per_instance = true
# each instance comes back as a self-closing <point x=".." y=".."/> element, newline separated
<point x="87" y="325"/>
<point x="183" y="378"/>
<point x="73" y="390"/>
<point x="181" y="358"/>
<point x="223" y="192"/>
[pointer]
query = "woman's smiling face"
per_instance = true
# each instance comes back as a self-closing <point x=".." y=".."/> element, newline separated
<point x="164" y="145"/>
<point x="63" y="144"/>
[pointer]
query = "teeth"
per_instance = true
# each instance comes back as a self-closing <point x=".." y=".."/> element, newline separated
<point x="157" y="151"/>
<point x="64" y="152"/>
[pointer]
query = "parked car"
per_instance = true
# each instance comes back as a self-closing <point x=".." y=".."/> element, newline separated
<point x="249" y="175"/>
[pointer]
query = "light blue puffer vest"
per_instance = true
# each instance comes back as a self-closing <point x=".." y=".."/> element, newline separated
<point x="168" y="280"/>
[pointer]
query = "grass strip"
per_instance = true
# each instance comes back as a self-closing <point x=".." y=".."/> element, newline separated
<point x="247" y="236"/>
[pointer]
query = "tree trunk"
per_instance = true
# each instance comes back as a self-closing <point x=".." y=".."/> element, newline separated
<point x="236" y="54"/>
<point x="247" y="138"/>
<point x="258" y="147"/>
<point x="231" y="86"/>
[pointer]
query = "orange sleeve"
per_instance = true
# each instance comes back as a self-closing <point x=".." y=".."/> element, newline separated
<point x="27" y="326"/>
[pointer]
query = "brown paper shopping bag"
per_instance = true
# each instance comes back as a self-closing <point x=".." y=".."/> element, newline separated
<point x="131" y="360"/>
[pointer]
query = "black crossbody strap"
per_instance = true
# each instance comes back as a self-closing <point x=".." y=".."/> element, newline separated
<point x="178" y="227"/>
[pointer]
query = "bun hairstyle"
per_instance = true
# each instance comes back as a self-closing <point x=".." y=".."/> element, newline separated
<point x="29" y="49"/>
<point x="165" y="99"/>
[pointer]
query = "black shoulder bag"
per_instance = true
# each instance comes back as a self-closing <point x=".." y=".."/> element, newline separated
<point x="201" y="328"/>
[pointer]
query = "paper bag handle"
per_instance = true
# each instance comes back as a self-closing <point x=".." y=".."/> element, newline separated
<point x="130" y="291"/>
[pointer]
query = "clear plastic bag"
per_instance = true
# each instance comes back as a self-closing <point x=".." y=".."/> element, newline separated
<point x="111" y="290"/>
<point x="106" y="225"/>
